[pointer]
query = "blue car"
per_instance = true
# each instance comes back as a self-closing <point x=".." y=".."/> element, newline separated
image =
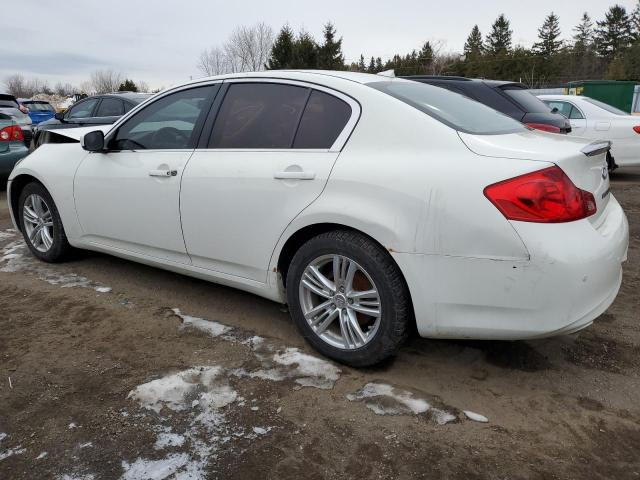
<point x="39" y="110"/>
<point x="12" y="147"/>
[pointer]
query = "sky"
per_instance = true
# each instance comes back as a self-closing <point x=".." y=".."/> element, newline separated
<point x="159" y="41"/>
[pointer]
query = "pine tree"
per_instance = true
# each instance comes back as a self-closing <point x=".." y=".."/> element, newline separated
<point x="362" y="67"/>
<point x="379" y="65"/>
<point x="372" y="66"/>
<point x="305" y="52"/>
<point x="499" y="40"/>
<point x="282" y="50"/>
<point x="583" y="37"/>
<point x="330" y="52"/>
<point x="128" y="86"/>
<point x="549" y="35"/>
<point x="635" y="22"/>
<point x="473" y="46"/>
<point x="613" y="34"/>
<point x="424" y="58"/>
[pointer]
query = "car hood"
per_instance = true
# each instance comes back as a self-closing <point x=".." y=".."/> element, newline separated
<point x="78" y="133"/>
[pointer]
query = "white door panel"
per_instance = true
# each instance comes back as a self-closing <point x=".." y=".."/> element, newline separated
<point x="124" y="202"/>
<point x="578" y="126"/>
<point x="236" y="204"/>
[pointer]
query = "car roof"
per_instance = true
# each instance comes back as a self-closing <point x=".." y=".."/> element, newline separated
<point x="305" y="75"/>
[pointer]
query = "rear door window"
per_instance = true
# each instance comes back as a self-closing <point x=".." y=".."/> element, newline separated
<point x="110" y="107"/>
<point x="563" y="107"/>
<point x="259" y="115"/>
<point x="324" y="118"/>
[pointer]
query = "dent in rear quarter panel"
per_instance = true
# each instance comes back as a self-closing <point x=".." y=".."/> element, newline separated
<point x="54" y="165"/>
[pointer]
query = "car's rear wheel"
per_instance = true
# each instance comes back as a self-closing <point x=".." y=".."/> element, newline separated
<point x="41" y="225"/>
<point x="348" y="298"/>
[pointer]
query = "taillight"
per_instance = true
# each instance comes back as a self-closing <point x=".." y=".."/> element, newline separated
<point x="543" y="196"/>
<point x="544" y="127"/>
<point x="636" y="129"/>
<point x="11" y="134"/>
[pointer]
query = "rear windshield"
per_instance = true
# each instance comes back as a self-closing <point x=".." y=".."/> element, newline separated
<point x="526" y="100"/>
<point x="455" y="110"/>
<point x="39" y="106"/>
<point x="7" y="102"/>
<point x="605" y="106"/>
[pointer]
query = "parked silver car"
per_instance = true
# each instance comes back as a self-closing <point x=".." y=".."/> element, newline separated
<point x="9" y="106"/>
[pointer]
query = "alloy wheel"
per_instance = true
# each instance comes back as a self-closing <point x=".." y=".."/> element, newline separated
<point x="340" y="301"/>
<point x="38" y="222"/>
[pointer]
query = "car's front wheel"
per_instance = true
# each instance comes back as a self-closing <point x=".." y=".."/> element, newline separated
<point x="348" y="298"/>
<point x="41" y="225"/>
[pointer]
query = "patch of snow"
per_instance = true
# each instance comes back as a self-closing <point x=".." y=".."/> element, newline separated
<point x="312" y="371"/>
<point x="41" y="456"/>
<point x="214" y="329"/>
<point x="7" y="234"/>
<point x="88" y="476"/>
<point x="261" y="430"/>
<point x="86" y="445"/>
<point x="15" y="259"/>
<point x="442" y="418"/>
<point x="3" y="436"/>
<point x="175" y="466"/>
<point x="177" y="391"/>
<point x="169" y="440"/>
<point x="476" y="417"/>
<point x="72" y="425"/>
<point x="403" y="402"/>
<point x="12" y="451"/>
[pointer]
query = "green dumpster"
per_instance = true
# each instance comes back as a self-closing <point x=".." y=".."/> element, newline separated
<point x="616" y="93"/>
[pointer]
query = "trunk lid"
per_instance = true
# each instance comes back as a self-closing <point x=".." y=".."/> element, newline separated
<point x="584" y="161"/>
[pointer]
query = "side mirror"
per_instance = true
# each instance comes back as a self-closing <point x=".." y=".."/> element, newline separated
<point x="93" y="141"/>
<point x="59" y="116"/>
<point x="554" y="110"/>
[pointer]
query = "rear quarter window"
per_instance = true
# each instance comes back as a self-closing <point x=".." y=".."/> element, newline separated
<point x="454" y="110"/>
<point x="324" y="118"/>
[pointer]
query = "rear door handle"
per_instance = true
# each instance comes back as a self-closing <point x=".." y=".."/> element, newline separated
<point x="163" y="173"/>
<point x="293" y="175"/>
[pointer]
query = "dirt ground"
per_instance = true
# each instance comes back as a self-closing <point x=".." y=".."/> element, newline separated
<point x="101" y="378"/>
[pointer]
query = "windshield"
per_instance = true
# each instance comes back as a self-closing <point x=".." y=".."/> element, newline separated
<point x="605" y="106"/>
<point x="455" y="110"/>
<point x="38" y="106"/>
<point x="526" y="100"/>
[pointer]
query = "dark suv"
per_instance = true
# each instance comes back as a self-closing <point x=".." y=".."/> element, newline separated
<point x="97" y="110"/>
<point x="510" y="98"/>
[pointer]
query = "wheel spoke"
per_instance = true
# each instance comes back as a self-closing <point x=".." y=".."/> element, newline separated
<point x="314" y="311"/>
<point x="34" y="233"/>
<point x="344" y="330"/>
<point x="327" y="321"/>
<point x="348" y="279"/>
<point x="320" y="279"/>
<point x="47" y="238"/>
<point x="372" y="312"/>
<point x="29" y="214"/>
<point x="363" y="294"/>
<point x="353" y="325"/>
<point x="315" y="289"/>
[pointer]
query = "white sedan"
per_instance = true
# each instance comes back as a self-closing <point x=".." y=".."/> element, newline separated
<point x="597" y="120"/>
<point x="366" y="203"/>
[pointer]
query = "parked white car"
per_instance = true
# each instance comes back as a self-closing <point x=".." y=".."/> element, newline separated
<point x="597" y="120"/>
<point x="366" y="203"/>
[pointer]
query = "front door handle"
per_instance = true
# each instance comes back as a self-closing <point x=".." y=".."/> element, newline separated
<point x="163" y="173"/>
<point x="294" y="175"/>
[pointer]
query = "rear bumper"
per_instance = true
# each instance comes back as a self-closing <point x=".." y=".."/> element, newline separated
<point x="17" y="151"/>
<point x="573" y="275"/>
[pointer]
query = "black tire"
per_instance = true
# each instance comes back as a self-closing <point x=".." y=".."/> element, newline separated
<point x="60" y="248"/>
<point x="396" y="315"/>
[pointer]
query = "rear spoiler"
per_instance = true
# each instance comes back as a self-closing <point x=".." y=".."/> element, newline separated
<point x="596" y="148"/>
